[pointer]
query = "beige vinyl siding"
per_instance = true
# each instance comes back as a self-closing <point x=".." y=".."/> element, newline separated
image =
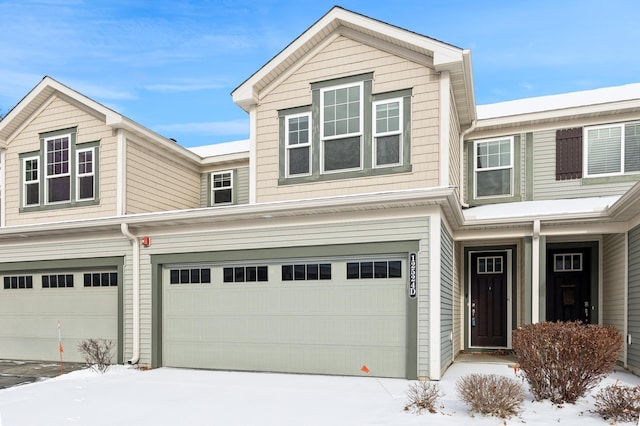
<point x="545" y="185"/>
<point x="59" y="114"/>
<point x="454" y="146"/>
<point x="613" y="283"/>
<point x="346" y="57"/>
<point x="158" y="183"/>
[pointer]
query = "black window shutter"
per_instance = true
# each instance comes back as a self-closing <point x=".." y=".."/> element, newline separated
<point x="569" y="153"/>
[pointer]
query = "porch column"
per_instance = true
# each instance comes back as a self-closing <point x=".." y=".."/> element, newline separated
<point x="535" y="273"/>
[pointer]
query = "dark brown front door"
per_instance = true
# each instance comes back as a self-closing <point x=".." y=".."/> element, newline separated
<point x="488" y="314"/>
<point x="569" y="285"/>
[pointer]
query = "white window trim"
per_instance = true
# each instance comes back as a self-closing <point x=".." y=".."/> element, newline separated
<point x="25" y="182"/>
<point x="359" y="134"/>
<point x="213" y="190"/>
<point x="46" y="168"/>
<point x="486" y="169"/>
<point x="376" y="135"/>
<point x="623" y="145"/>
<point x="79" y="175"/>
<point x="289" y="147"/>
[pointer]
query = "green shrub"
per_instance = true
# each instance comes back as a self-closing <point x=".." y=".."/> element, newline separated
<point x="618" y="403"/>
<point x="562" y="361"/>
<point x="491" y="394"/>
<point x="423" y="395"/>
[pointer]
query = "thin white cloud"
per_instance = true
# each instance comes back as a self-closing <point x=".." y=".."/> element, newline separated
<point x="182" y="87"/>
<point x="231" y="127"/>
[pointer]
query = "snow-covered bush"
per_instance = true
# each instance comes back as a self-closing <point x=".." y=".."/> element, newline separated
<point x="618" y="403"/>
<point x="97" y="353"/>
<point x="491" y="394"/>
<point x="423" y="395"/>
<point x="562" y="361"/>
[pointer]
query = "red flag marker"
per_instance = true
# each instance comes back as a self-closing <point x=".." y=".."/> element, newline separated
<point x="364" y="369"/>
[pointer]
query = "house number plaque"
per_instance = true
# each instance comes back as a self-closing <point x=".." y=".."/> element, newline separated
<point x="413" y="276"/>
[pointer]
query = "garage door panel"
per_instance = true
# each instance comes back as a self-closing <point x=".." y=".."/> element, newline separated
<point x="324" y="326"/>
<point x="30" y="319"/>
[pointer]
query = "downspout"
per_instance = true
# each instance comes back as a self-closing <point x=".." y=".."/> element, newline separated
<point x="135" y="357"/>
<point x="461" y="177"/>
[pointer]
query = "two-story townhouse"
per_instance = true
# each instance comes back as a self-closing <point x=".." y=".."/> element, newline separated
<point x="372" y="218"/>
<point x="551" y="232"/>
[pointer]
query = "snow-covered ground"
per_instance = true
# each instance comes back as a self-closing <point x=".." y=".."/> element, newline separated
<point x="167" y="396"/>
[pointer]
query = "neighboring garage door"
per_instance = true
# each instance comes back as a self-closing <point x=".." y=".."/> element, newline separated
<point x="303" y="316"/>
<point x="31" y="304"/>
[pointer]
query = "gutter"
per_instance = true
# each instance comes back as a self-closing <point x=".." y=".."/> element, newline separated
<point x="135" y="357"/>
<point x="461" y="177"/>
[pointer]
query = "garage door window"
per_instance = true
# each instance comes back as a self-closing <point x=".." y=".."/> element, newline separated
<point x="190" y="276"/>
<point x="374" y="269"/>
<point x="57" y="281"/>
<point x="17" y="282"/>
<point x="241" y="274"/>
<point x="306" y="272"/>
<point x="101" y="279"/>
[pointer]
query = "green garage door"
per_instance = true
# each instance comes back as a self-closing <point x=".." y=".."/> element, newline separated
<point x="325" y="317"/>
<point x="31" y="304"/>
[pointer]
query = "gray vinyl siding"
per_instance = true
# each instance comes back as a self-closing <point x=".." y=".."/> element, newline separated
<point x="458" y="300"/>
<point x="446" y="299"/>
<point x="613" y="282"/>
<point x="545" y="185"/>
<point x="633" y="350"/>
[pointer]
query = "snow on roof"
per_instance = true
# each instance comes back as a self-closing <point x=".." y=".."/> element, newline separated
<point x="561" y="101"/>
<point x="540" y="208"/>
<point x="221" y="148"/>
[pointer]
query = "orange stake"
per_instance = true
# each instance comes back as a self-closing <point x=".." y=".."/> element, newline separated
<point x="60" y="345"/>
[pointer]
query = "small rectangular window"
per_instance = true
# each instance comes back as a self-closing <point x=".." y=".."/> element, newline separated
<point x="490" y="265"/>
<point x="306" y="272"/>
<point x="567" y="262"/>
<point x="298" y="144"/>
<point x="31" y="191"/>
<point x="387" y="133"/>
<point x="221" y="188"/>
<point x="85" y="174"/>
<point x="190" y="276"/>
<point x="493" y="167"/>
<point x="18" y="282"/>
<point x="376" y="269"/>
<point x="241" y="274"/>
<point x="57" y="281"/>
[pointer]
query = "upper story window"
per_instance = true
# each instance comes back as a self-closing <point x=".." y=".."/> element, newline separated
<point x="222" y="188"/>
<point x="298" y="144"/>
<point x="61" y="174"/>
<point x="493" y="167"/>
<point x="341" y="128"/>
<point x="387" y="133"/>
<point x="347" y="132"/>
<point x="612" y="149"/>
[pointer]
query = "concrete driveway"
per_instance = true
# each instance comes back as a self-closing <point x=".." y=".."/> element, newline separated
<point x="13" y="373"/>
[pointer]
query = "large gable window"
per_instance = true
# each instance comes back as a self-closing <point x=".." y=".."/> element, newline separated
<point x="61" y="174"/>
<point x="341" y="128"/>
<point x="612" y="149"/>
<point x="347" y="131"/>
<point x="493" y="167"/>
<point x="58" y="178"/>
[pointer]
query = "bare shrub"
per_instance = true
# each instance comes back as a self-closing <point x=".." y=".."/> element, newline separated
<point x="97" y="353"/>
<point x="423" y="395"/>
<point x="562" y="361"/>
<point x="618" y="403"/>
<point x="491" y="394"/>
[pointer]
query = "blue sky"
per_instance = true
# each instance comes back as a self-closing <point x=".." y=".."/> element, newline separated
<point x="171" y="65"/>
